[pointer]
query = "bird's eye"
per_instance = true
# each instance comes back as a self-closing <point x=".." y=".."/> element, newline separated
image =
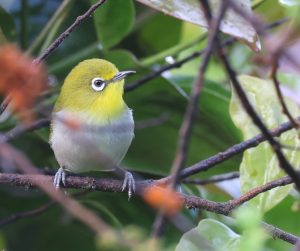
<point x="98" y="84"/>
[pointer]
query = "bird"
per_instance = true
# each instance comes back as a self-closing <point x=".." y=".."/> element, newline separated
<point x="92" y="96"/>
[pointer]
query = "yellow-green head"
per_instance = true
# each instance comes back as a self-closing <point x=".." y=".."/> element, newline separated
<point x="95" y="87"/>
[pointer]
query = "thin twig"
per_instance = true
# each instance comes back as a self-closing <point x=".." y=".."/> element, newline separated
<point x="190" y="113"/>
<point x="277" y="233"/>
<point x="189" y="117"/>
<point x="177" y="64"/>
<point x="45" y="31"/>
<point x="213" y="179"/>
<point x="276" y="83"/>
<point x="68" y="31"/>
<point x="234" y="150"/>
<point x="34" y="212"/>
<point x="21" y="129"/>
<point x="21" y="215"/>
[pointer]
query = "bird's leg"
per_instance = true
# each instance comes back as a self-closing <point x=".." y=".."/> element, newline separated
<point x="128" y="183"/>
<point x="60" y="177"/>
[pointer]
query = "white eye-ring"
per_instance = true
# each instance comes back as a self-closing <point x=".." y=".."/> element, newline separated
<point x="98" y="84"/>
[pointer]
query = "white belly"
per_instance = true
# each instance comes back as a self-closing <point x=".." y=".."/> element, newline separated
<point x="93" y="146"/>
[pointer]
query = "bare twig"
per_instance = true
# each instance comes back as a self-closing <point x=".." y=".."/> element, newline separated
<point x="61" y="11"/>
<point x="226" y="208"/>
<point x="213" y="179"/>
<point x="34" y="212"/>
<point x="21" y="129"/>
<point x="21" y="215"/>
<point x="190" y="113"/>
<point x="280" y="234"/>
<point x="276" y="83"/>
<point x="234" y="150"/>
<point x="68" y="31"/>
<point x="189" y="117"/>
<point x="177" y="64"/>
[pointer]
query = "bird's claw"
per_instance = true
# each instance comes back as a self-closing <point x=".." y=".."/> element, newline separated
<point x="60" y="177"/>
<point x="129" y="183"/>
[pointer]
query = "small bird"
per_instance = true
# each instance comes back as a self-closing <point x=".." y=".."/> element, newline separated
<point x="92" y="96"/>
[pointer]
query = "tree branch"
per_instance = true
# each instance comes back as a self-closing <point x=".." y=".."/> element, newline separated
<point x="111" y="185"/>
<point x="234" y="150"/>
<point x="213" y="179"/>
<point x="68" y="31"/>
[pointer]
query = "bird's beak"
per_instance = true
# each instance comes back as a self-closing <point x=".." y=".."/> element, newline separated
<point x="121" y="75"/>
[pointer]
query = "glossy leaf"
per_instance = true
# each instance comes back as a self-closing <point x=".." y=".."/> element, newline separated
<point x="113" y="21"/>
<point x="260" y="164"/>
<point x="209" y="235"/>
<point x="233" y="24"/>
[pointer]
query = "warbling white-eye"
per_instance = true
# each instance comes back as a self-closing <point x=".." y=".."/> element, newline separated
<point x="92" y="95"/>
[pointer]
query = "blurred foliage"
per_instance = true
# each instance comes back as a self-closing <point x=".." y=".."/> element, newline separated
<point x="135" y="36"/>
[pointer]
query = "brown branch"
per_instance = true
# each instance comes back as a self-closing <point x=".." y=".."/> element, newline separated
<point x="190" y="113"/>
<point x="20" y="129"/>
<point x="276" y="83"/>
<point x="21" y="215"/>
<point x="277" y="233"/>
<point x="189" y="118"/>
<point x="213" y="179"/>
<point x="29" y="181"/>
<point x="111" y="185"/>
<point x="234" y="150"/>
<point x="68" y="31"/>
<point x="34" y="212"/>
<point x="177" y="64"/>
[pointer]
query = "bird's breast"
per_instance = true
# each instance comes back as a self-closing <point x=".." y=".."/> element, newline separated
<point x="94" y="143"/>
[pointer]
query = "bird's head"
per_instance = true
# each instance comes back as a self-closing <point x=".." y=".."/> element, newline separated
<point x="94" y="85"/>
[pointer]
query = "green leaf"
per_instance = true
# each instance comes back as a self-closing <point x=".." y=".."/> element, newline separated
<point x="152" y="38"/>
<point x="7" y="27"/>
<point x="260" y="165"/>
<point x="209" y="235"/>
<point x="113" y="21"/>
<point x="190" y="11"/>
<point x="249" y="221"/>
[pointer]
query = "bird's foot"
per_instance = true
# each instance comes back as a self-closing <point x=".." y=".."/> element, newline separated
<point x="60" y="177"/>
<point x="129" y="183"/>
